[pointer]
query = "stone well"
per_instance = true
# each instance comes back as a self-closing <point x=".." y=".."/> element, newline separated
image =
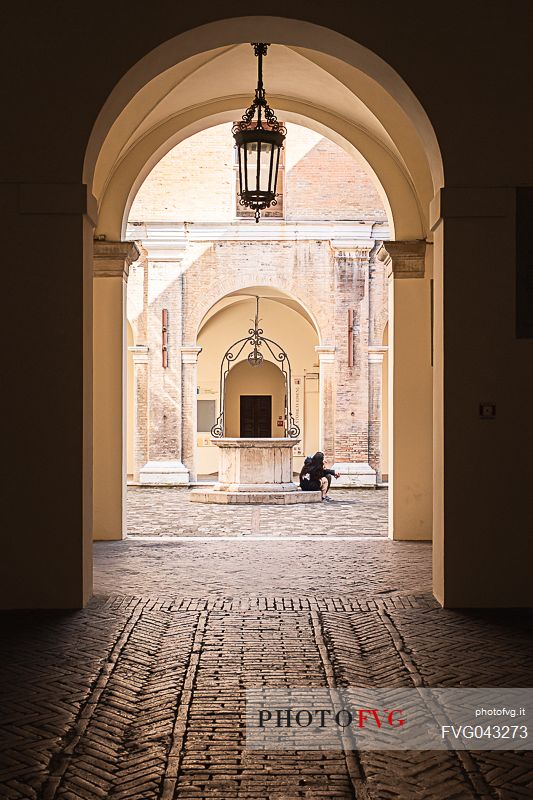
<point x="254" y="471"/>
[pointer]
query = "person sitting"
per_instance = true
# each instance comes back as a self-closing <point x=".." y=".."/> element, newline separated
<point x="314" y="477"/>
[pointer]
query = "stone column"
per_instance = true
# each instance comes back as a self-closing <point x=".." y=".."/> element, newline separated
<point x="189" y="387"/>
<point x="375" y="366"/>
<point x="410" y="390"/>
<point x="111" y="265"/>
<point x="47" y="559"/>
<point x="140" y="407"/>
<point x="326" y="413"/>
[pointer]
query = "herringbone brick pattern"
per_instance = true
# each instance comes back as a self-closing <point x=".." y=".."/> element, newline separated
<point x="141" y="695"/>
<point x="49" y="665"/>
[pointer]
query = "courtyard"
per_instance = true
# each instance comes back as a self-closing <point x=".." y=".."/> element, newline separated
<point x="166" y="511"/>
<point x="141" y="694"/>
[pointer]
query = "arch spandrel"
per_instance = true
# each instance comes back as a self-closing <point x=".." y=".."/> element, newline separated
<point x="309" y="305"/>
<point x="404" y="175"/>
<point x="406" y="218"/>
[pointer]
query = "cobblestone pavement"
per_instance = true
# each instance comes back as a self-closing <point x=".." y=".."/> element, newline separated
<point x="141" y="695"/>
<point x="169" y="512"/>
<point x="268" y="568"/>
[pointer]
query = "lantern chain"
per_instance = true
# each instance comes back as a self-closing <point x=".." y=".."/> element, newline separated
<point x="259" y="102"/>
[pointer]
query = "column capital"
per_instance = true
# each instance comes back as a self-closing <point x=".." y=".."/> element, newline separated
<point x="376" y="353"/>
<point x="113" y="259"/>
<point x="189" y="354"/>
<point x="139" y="353"/>
<point x="326" y="353"/>
<point x="404" y="259"/>
<point x="346" y="248"/>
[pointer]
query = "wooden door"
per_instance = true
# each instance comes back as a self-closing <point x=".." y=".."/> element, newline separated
<point x="256" y="416"/>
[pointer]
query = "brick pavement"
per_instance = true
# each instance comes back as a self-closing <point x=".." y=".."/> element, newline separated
<point x="168" y="511"/>
<point x="141" y="695"/>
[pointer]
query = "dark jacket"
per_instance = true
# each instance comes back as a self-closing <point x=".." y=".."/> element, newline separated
<point x="310" y="476"/>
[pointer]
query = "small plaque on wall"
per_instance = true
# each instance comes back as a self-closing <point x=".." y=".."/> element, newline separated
<point x="298" y="400"/>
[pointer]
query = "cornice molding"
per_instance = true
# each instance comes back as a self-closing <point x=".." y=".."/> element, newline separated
<point x="167" y="241"/>
<point x="189" y="354"/>
<point x="113" y="259"/>
<point x="326" y="353"/>
<point x="139" y="353"/>
<point x="376" y="353"/>
<point x="405" y="259"/>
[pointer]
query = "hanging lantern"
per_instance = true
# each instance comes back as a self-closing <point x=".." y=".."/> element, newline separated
<point x="259" y="146"/>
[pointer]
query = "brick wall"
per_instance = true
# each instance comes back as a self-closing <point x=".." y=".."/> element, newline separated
<point x="327" y="184"/>
<point x="327" y="282"/>
<point x="196" y="181"/>
<point x="351" y="292"/>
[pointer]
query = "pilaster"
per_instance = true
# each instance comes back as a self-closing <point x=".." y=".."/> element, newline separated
<point x="410" y="390"/>
<point x="163" y="311"/>
<point x="326" y="414"/>
<point x="189" y="391"/>
<point x="111" y="263"/>
<point x="140" y="406"/>
<point x="352" y="298"/>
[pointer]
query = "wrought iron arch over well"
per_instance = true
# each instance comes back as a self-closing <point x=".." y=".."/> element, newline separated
<point x="260" y="346"/>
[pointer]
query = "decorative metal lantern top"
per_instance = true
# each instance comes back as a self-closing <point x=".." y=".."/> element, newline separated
<point x="257" y="341"/>
<point x="258" y="147"/>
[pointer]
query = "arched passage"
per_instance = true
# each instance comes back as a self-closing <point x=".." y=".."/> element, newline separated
<point x="313" y="88"/>
<point x="380" y="130"/>
<point x="287" y="321"/>
<point x="134" y="102"/>
<point x="486" y="157"/>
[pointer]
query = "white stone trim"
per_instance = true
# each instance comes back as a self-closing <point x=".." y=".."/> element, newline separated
<point x="189" y="354"/>
<point x="168" y="240"/>
<point x="326" y="353"/>
<point x="164" y="473"/>
<point x="376" y="353"/>
<point x="355" y="474"/>
<point x="139" y="353"/>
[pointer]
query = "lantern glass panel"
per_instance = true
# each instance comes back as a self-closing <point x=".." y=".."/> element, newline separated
<point x="258" y="158"/>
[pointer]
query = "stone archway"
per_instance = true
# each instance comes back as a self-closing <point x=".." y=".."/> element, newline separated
<point x="51" y="199"/>
<point x="406" y="180"/>
<point x="287" y="320"/>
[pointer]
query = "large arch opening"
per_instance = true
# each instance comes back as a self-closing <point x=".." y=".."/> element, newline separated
<point x="364" y="107"/>
<point x="322" y="292"/>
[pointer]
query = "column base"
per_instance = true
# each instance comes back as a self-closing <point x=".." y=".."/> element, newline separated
<point x="164" y="473"/>
<point x="273" y="497"/>
<point x="354" y="475"/>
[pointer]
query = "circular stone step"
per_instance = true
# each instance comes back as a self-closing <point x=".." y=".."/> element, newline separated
<point x="259" y="498"/>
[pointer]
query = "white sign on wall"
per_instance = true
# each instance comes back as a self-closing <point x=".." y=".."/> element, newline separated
<point x="298" y="397"/>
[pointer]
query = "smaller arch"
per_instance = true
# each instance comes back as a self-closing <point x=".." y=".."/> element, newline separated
<point x="209" y="311"/>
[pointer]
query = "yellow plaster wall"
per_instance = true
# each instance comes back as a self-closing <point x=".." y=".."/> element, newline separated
<point x="385" y="407"/>
<point x="279" y="322"/>
<point x="130" y="460"/>
<point x="109" y="466"/>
